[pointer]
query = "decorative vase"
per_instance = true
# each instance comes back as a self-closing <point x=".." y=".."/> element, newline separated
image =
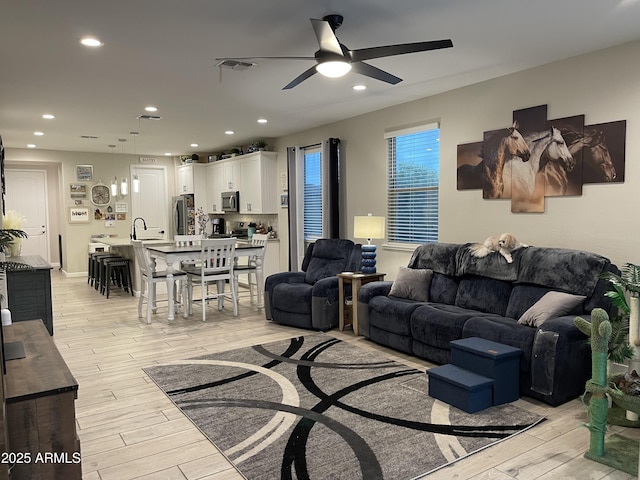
<point x="14" y="248"/>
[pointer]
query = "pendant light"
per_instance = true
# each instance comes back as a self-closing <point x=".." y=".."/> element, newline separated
<point x="135" y="179"/>
<point x="114" y="184"/>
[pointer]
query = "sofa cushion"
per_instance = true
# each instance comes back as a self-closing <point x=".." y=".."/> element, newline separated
<point x="329" y="257"/>
<point x="483" y="294"/>
<point x="443" y="289"/>
<point x="392" y="314"/>
<point x="437" y="325"/>
<point x="293" y="297"/>
<point x="412" y="283"/>
<point x="522" y="297"/>
<point x="552" y="304"/>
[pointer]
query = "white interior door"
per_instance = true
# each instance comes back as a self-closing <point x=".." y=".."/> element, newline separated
<point x="27" y="194"/>
<point x="152" y="202"/>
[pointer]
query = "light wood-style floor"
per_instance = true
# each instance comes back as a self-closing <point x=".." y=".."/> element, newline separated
<point x="129" y="429"/>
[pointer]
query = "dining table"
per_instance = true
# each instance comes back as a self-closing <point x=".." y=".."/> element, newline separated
<point x="172" y="254"/>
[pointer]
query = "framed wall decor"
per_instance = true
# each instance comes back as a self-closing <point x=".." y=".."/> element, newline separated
<point x="84" y="173"/>
<point x="79" y="215"/>
<point x="78" y="190"/>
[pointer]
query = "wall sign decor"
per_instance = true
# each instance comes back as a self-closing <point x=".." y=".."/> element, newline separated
<point x="79" y="215"/>
<point x="122" y="207"/>
<point x="78" y="190"/>
<point x="560" y="156"/>
<point x="84" y="173"/>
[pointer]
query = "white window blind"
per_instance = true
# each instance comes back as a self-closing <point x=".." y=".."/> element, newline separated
<point x="312" y="195"/>
<point x="412" y="184"/>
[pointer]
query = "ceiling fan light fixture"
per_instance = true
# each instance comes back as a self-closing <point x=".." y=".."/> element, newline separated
<point x="333" y="68"/>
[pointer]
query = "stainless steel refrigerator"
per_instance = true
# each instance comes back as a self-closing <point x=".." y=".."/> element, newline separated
<point x="184" y="215"/>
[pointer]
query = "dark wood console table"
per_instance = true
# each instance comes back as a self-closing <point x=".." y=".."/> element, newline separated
<point x="29" y="291"/>
<point x="40" y="407"/>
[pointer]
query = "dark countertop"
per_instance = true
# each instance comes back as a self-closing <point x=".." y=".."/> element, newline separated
<point x="34" y="261"/>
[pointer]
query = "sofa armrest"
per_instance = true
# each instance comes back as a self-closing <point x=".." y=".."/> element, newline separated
<point x="270" y="283"/>
<point x="373" y="289"/>
<point x="326" y="288"/>
<point x="366" y="293"/>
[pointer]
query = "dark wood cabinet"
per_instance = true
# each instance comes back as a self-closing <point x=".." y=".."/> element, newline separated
<point x="29" y="291"/>
<point x="40" y="399"/>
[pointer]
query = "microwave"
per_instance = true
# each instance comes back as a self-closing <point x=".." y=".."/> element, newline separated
<point x="231" y="201"/>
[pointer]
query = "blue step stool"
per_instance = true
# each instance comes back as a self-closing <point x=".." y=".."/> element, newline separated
<point x="490" y="359"/>
<point x="461" y="388"/>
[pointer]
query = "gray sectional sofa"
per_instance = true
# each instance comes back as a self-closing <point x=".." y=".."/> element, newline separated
<point x="464" y="296"/>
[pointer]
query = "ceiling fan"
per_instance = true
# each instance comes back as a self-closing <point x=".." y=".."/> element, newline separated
<point x="334" y="60"/>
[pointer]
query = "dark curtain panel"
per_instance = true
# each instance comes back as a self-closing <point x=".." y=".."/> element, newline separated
<point x="332" y="146"/>
<point x="293" y="208"/>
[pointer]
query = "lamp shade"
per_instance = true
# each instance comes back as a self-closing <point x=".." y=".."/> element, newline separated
<point x="368" y="227"/>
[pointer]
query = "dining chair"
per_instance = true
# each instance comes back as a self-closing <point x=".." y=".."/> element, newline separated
<point x="250" y="269"/>
<point x="215" y="266"/>
<point x="187" y="241"/>
<point x="149" y="278"/>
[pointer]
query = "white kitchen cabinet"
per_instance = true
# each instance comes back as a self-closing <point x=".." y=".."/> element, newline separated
<point x="254" y="175"/>
<point x="216" y="185"/>
<point x="258" y="183"/>
<point x="192" y="179"/>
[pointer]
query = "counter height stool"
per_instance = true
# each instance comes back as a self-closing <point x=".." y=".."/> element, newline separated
<point x="95" y="266"/>
<point x="216" y="266"/>
<point x="117" y="270"/>
<point x="250" y="269"/>
<point x="149" y="278"/>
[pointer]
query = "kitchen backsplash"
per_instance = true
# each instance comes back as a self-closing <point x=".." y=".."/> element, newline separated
<point x="233" y="219"/>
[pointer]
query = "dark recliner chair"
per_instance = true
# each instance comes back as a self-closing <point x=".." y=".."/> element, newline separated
<point x="309" y="299"/>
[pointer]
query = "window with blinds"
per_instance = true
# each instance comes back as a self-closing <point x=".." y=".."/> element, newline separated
<point x="312" y="195"/>
<point x="412" y="184"/>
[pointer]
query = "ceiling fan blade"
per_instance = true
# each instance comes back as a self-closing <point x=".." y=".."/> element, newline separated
<point x="326" y="38"/>
<point x="401" y="49"/>
<point x="374" y="72"/>
<point x="300" y="78"/>
<point x="222" y="59"/>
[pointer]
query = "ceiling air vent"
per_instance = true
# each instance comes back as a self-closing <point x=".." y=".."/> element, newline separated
<point x="148" y="117"/>
<point x="234" y="64"/>
<point x="92" y="137"/>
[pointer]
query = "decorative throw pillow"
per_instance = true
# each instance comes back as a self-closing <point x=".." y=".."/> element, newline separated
<point x="412" y="283"/>
<point x="552" y="304"/>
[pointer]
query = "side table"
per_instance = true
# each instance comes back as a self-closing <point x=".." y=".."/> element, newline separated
<point x="349" y="313"/>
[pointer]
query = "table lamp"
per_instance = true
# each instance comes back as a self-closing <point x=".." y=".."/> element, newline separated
<point x="368" y="227"/>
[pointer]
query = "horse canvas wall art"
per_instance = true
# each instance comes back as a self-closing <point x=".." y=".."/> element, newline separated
<point x="499" y="147"/>
<point x="561" y="155"/>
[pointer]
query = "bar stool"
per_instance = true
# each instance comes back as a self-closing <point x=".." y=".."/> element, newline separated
<point x="94" y="247"/>
<point x="116" y="270"/>
<point x="95" y="265"/>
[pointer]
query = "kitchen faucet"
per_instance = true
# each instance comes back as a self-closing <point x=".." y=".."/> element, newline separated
<point x="144" y="224"/>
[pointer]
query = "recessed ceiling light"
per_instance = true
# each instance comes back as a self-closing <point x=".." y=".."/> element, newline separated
<point x="194" y="145"/>
<point x="91" y="42"/>
<point x="167" y="154"/>
<point x="229" y="132"/>
<point x="262" y="120"/>
<point x="359" y="87"/>
<point x="151" y="108"/>
<point x="48" y="116"/>
<point x="38" y="134"/>
<point x="31" y="145"/>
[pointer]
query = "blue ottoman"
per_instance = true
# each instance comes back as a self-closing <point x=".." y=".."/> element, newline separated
<point x="461" y="388"/>
<point x="491" y="359"/>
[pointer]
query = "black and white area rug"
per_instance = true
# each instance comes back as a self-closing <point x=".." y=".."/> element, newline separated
<point x="314" y="407"/>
